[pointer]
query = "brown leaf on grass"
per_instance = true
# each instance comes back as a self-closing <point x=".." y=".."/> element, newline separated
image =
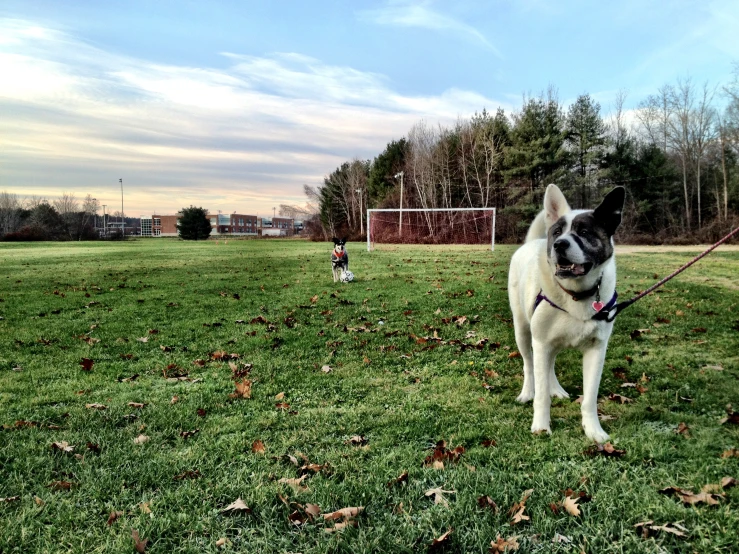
<point x="441" y="541"/>
<point x="222" y="542"/>
<point x="138" y="405"/>
<point x="143" y="339"/>
<point x="730" y="453"/>
<point x="175" y="399"/>
<point x="258" y="447"/>
<point x="280" y="396"/>
<point x="606" y="449"/>
<point x="313" y="510"/>
<point x="199" y="362"/>
<point x="728" y="482"/>
<point x="284" y="406"/>
<point x="516" y="511"/>
<point x="188" y="474"/>
<point x="438" y="495"/>
<point x="141" y="439"/>
<point x="699" y="329"/>
<point x="96" y="406"/>
<point x="402" y="478"/>
<point x="619" y="373"/>
<point x="296" y="484"/>
<point x="514" y="354"/>
<point x="62" y="446"/>
<point x="441" y="454"/>
<point x="682" y="429"/>
<point x="570" y="504"/>
<point x="487" y="502"/>
<point x="114" y="516"/>
<point x="357" y="440"/>
<point x="314" y="299"/>
<point x="243" y="389"/>
<point x="236" y="507"/>
<point x="646" y="529"/>
<point x="732" y="417"/>
<point x="500" y="546"/>
<point x="326" y="369"/>
<point x="10" y="499"/>
<point x="139" y="544"/>
<point x="690" y="498"/>
<point x="60" y="485"/>
<point x="487" y="443"/>
<point x="241" y="371"/>
<point x="166" y="348"/>
<point x="343" y="513"/>
<point x="87" y="364"/>
<point x="188" y="434"/>
<point x="620" y="399"/>
<point x="93" y="447"/>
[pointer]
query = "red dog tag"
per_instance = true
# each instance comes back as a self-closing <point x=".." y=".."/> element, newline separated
<point x="598" y="305"/>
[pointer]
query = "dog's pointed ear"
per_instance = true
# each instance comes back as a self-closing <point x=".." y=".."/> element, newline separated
<point x="608" y="213"/>
<point x="555" y="205"/>
<point x="336" y="241"/>
<point x="343" y="241"/>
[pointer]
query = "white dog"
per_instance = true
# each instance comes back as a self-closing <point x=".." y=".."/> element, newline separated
<point x="562" y="276"/>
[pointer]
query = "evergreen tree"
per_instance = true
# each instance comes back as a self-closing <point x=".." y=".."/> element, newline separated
<point x="194" y="224"/>
<point x="383" y="170"/>
<point x="585" y="135"/>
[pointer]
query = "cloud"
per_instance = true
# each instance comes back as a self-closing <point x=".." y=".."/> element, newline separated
<point x="409" y="14"/>
<point x="78" y="118"/>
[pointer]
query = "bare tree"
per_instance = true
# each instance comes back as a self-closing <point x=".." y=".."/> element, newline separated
<point x="702" y="133"/>
<point x="420" y="167"/>
<point x="9" y="212"/>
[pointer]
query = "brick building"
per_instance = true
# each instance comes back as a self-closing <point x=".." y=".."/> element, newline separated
<point x="223" y="225"/>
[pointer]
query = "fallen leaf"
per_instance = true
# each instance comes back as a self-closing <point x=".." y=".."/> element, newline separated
<point x="188" y="434"/>
<point x="284" y="406"/>
<point x="438" y="494"/>
<point x="561" y="539"/>
<point x="314" y="299"/>
<point x="189" y="474"/>
<point x="139" y="544"/>
<point x="141" y="439"/>
<point x="280" y="396"/>
<point x="441" y="453"/>
<point x="87" y="364"/>
<point x="357" y="440"/>
<point x="258" y="447"/>
<point x="10" y="499"/>
<point x="340" y="525"/>
<point x="313" y="510"/>
<point x="514" y="354"/>
<point x="37" y="500"/>
<point x="296" y="484"/>
<point x="487" y="502"/>
<point x="243" y="389"/>
<point x="62" y="446"/>
<point x="606" y="449"/>
<point x="344" y="513"/>
<point x="682" y="429"/>
<point x="143" y="339"/>
<point x="138" y="405"/>
<point x="570" y="504"/>
<point x="221" y="542"/>
<point x="60" y="485"/>
<point x="96" y="406"/>
<point x="730" y="453"/>
<point x="402" y="478"/>
<point x="500" y="546"/>
<point x="620" y="399"/>
<point x="647" y="529"/>
<point x="114" y="516"/>
<point x="731" y="416"/>
<point x="175" y="399"/>
<point x="487" y="443"/>
<point x="326" y="369"/>
<point x="440" y="542"/>
<point x="236" y="507"/>
<point x="689" y="497"/>
<point x="728" y="482"/>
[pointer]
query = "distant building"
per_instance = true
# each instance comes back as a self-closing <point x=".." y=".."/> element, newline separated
<point x="222" y="224"/>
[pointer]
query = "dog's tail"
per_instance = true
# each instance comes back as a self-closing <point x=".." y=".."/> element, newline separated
<point x="538" y="229"/>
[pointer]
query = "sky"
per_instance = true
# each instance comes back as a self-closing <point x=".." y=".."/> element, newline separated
<point x="235" y="105"/>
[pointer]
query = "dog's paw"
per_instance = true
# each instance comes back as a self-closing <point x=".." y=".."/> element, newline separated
<point x="525" y="396"/>
<point x="596" y="433"/>
<point x="539" y="429"/>
<point x="557" y="390"/>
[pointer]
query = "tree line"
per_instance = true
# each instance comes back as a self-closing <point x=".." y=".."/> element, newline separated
<point x="677" y="155"/>
<point x="64" y="218"/>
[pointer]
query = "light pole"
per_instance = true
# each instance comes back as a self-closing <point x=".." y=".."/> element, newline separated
<point x="105" y="224"/>
<point x="400" y="223"/>
<point x="123" y="218"/>
<point x="361" y="218"/>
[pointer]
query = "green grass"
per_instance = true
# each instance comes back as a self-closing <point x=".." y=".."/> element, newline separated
<point x="52" y="294"/>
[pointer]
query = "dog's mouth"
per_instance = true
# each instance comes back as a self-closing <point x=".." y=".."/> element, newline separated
<point x="568" y="270"/>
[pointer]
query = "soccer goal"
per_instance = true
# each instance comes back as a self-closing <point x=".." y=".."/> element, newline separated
<point x="431" y="226"/>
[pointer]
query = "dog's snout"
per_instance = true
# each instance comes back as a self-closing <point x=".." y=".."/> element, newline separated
<point x="561" y="245"/>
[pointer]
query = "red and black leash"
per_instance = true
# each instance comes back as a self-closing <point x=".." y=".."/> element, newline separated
<point x="610" y="315"/>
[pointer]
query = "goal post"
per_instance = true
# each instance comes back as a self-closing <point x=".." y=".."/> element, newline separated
<point x="431" y="226"/>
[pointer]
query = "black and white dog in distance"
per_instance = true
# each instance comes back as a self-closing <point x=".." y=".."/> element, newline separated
<point x="339" y="258"/>
<point x="559" y="279"/>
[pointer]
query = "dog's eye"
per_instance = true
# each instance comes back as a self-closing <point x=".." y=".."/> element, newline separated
<point x="556" y="232"/>
<point x="584" y="233"/>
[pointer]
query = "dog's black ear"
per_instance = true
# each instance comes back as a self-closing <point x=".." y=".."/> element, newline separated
<point x="336" y="241"/>
<point x="608" y="213"/>
<point x="343" y="241"/>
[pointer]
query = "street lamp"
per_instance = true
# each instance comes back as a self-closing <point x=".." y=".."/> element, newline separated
<point x="123" y="219"/>
<point x="400" y="223"/>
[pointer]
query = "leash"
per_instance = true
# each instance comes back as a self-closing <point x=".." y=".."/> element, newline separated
<point x="610" y="314"/>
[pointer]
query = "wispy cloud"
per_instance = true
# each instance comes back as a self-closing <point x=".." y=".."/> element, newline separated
<point x="420" y="14"/>
<point x="77" y="118"/>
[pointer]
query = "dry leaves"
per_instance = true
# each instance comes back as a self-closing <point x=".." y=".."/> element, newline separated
<point x="139" y="544"/>
<point x="138" y="405"/>
<point x="570" y="504"/>
<point x="732" y="417"/>
<point x="87" y="364"/>
<point x="499" y="546"/>
<point x="236" y="507"/>
<point x="438" y="495"/>
<point x="441" y="454"/>
<point x="690" y="498"/>
<point x="62" y="446"/>
<point x="347" y="514"/>
<point x="357" y="440"/>
<point x="402" y="478"/>
<point x="516" y="511"/>
<point x="682" y="429"/>
<point x="326" y="369"/>
<point x="296" y="484"/>
<point x="141" y="439"/>
<point x="257" y="447"/>
<point x="647" y="528"/>
<point x="441" y="542"/>
<point x="114" y="516"/>
<point x="243" y="389"/>
<point x="487" y="502"/>
<point x="606" y="449"/>
<point x="730" y="453"/>
<point x="620" y="399"/>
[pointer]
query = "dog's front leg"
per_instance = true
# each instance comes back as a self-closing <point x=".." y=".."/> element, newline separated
<point x="592" y="367"/>
<point x="333" y="270"/>
<point x="543" y="361"/>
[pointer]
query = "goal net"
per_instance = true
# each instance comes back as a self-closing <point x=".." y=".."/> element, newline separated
<point x="431" y="226"/>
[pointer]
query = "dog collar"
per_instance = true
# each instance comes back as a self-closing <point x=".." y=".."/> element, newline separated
<point x="602" y="312"/>
<point x="582" y="294"/>
<point x="339" y="255"/>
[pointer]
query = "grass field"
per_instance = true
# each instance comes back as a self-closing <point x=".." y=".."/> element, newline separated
<point x="391" y="381"/>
